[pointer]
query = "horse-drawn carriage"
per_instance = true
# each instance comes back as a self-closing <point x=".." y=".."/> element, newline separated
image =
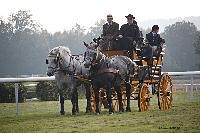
<point x="146" y="80"/>
<point x="136" y="79"/>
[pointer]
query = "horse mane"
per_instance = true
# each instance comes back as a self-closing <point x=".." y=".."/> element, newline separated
<point x="60" y="49"/>
<point x="64" y="50"/>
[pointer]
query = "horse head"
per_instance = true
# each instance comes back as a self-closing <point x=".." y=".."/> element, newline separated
<point x="55" y="59"/>
<point x="92" y="53"/>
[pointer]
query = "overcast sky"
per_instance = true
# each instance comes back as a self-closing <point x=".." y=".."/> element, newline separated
<point x="57" y="15"/>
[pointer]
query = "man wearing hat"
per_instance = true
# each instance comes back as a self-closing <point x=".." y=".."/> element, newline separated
<point x="129" y="34"/>
<point x="110" y="33"/>
<point x="155" y="41"/>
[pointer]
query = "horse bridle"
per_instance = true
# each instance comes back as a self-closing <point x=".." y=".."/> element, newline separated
<point x="57" y="60"/>
<point x="95" y="58"/>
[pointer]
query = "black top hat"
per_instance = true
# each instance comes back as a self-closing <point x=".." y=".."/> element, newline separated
<point x="155" y="27"/>
<point x="130" y="16"/>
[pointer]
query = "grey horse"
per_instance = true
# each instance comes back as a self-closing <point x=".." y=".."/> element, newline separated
<point x="107" y="73"/>
<point x="66" y="69"/>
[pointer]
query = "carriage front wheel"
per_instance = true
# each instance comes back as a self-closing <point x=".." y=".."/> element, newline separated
<point x="165" y="92"/>
<point x="143" y="98"/>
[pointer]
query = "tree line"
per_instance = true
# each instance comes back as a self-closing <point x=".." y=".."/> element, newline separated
<point x="24" y="44"/>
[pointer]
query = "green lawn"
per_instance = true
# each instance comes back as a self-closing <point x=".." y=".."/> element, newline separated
<point x="44" y="117"/>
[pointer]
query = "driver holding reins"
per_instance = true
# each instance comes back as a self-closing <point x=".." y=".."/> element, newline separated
<point x="129" y="35"/>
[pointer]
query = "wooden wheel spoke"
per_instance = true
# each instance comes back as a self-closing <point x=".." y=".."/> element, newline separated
<point x="165" y="92"/>
<point x="143" y="95"/>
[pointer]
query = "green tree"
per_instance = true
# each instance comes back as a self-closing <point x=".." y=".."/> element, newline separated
<point x="22" y="21"/>
<point x="180" y="52"/>
<point x="197" y="44"/>
<point x="47" y="91"/>
<point x="7" y="93"/>
<point x="96" y="31"/>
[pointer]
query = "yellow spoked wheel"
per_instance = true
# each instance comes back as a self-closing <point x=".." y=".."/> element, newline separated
<point x="93" y="102"/>
<point x="143" y="98"/>
<point x="165" y="92"/>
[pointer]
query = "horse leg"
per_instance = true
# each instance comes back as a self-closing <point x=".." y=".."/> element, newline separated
<point x="128" y="89"/>
<point x="88" y="97"/>
<point x="119" y="96"/>
<point x="108" y="93"/>
<point x="96" y="91"/>
<point x="62" y="101"/>
<point x="73" y="101"/>
<point x="76" y="98"/>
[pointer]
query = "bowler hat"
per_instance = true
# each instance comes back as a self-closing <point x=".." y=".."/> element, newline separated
<point x="130" y="16"/>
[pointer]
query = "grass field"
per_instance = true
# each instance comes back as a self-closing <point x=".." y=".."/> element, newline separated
<point x="44" y="117"/>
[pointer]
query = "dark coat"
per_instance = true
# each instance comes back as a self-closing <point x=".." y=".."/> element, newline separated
<point x="154" y="40"/>
<point x="130" y="33"/>
<point x="132" y="30"/>
<point x="110" y="33"/>
<point x="110" y="30"/>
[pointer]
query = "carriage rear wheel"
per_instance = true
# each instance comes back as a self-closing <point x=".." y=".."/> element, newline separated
<point x="143" y="98"/>
<point x="165" y="92"/>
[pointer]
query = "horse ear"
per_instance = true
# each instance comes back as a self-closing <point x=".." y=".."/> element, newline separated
<point x="85" y="44"/>
<point x="95" y="40"/>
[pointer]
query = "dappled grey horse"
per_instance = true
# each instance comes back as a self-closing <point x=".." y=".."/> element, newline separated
<point x="66" y="69"/>
<point x="108" y="73"/>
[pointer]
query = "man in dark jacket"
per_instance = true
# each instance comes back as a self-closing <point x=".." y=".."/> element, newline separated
<point x="110" y="33"/>
<point x="153" y="37"/>
<point x="129" y="34"/>
<point x="155" y="41"/>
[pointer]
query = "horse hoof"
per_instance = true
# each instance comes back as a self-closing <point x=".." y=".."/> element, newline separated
<point x="128" y="110"/>
<point x="121" y="111"/>
<point x="111" y="113"/>
<point x="62" y="113"/>
<point x="73" y="113"/>
<point x="87" y="111"/>
<point x="97" y="113"/>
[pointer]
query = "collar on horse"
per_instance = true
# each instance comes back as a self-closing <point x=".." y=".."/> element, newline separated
<point x="99" y="59"/>
<point x="108" y="70"/>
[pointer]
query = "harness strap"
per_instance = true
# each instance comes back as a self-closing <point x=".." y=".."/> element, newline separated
<point x="108" y="70"/>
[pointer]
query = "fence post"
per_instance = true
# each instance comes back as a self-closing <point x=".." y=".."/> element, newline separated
<point x="192" y="87"/>
<point x="192" y="83"/>
<point x="16" y="98"/>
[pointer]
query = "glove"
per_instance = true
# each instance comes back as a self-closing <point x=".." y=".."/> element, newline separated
<point x="120" y="36"/>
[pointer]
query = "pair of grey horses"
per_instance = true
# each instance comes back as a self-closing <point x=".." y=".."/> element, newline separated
<point x="103" y="72"/>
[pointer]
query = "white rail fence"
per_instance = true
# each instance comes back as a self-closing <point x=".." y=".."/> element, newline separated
<point x="190" y="74"/>
<point x="19" y="80"/>
<point x="38" y="79"/>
